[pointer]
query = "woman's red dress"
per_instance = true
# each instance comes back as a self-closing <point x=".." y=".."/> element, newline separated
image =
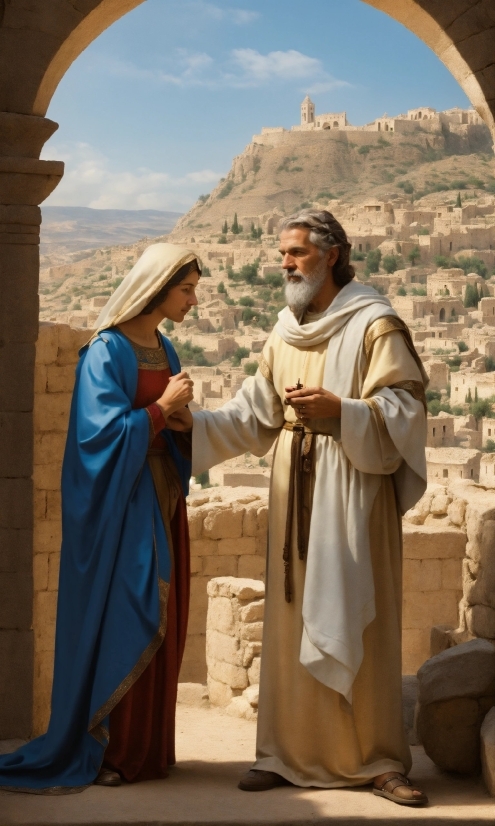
<point x="142" y="725"/>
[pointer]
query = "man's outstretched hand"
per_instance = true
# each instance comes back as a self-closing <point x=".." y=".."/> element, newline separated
<point x="181" y="420"/>
<point x="313" y="403"/>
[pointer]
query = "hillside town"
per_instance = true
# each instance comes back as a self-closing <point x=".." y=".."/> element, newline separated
<point x="430" y="250"/>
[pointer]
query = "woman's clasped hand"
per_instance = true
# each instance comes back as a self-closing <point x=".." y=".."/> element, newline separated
<point x="178" y="393"/>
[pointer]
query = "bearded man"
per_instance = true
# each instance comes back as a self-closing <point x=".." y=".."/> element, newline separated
<point x="341" y="389"/>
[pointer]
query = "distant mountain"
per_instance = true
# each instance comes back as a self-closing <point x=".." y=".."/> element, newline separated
<point x="67" y="229"/>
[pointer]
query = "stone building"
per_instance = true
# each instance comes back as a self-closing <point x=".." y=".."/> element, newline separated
<point x="446" y="464"/>
<point x="440" y="430"/>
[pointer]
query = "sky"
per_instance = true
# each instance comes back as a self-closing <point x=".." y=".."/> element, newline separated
<point x="154" y="110"/>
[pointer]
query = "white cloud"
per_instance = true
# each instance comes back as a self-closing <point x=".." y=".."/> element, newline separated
<point x="239" y="17"/>
<point x="244" y="68"/>
<point x="285" y="65"/>
<point x="90" y="181"/>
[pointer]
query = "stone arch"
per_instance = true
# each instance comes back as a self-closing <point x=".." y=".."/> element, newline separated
<point x="38" y="43"/>
<point x="441" y="315"/>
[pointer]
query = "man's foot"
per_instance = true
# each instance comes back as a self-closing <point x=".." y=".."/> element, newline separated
<point x="108" y="778"/>
<point x="397" y="787"/>
<point x="256" y="780"/>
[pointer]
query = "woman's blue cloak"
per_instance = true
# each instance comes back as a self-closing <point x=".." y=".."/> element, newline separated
<point x="114" y="570"/>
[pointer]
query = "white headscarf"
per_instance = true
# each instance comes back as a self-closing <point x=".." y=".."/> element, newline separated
<point x="156" y="266"/>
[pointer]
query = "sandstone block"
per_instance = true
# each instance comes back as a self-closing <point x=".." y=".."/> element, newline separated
<point x="433" y="543"/>
<point x="231" y="675"/>
<point x="40" y="378"/>
<point x="422" y="574"/>
<point x="203" y="547"/>
<point x="47" y="344"/>
<point x="439" y="504"/>
<point x="249" y="525"/>
<point x="39" y="504"/>
<point x="47" y="536"/>
<point x="49" y="447"/>
<point x="220" y="615"/>
<point x="224" y="523"/>
<point x="427" y="608"/>
<point x="250" y="650"/>
<point x="262" y="521"/>
<point x="228" y="586"/>
<point x="195" y="520"/>
<point x="51" y="412"/>
<point x="488" y="751"/>
<point x="466" y="670"/>
<point x="451" y="575"/>
<point x="481" y="621"/>
<point x="40" y="572"/>
<point x="44" y="616"/>
<point x="47" y="477"/>
<point x="60" y="379"/>
<point x="237" y="547"/>
<point x="252" y="631"/>
<point x="53" y="571"/>
<point x="252" y="567"/>
<point x="219" y="566"/>
<point x="252" y="693"/>
<point x="254" y="671"/>
<point x="224" y="648"/>
<point x="196" y="565"/>
<point x="241" y="707"/>
<point x="254" y="611"/>
<point x="261" y="546"/>
<point x="456" y="511"/>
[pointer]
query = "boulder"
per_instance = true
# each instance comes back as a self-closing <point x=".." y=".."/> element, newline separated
<point x="456" y="689"/>
<point x="488" y="751"/>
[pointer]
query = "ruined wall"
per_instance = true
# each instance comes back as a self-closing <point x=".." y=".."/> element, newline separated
<point x="228" y="529"/>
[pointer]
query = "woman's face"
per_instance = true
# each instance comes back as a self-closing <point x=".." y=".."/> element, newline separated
<point x="181" y="298"/>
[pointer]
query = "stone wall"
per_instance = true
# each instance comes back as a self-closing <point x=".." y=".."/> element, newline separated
<point x="234" y="629"/>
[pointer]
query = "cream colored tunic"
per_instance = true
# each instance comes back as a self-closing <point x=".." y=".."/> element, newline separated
<point x="307" y="732"/>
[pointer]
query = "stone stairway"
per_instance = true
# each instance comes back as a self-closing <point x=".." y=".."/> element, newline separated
<point x="213" y="750"/>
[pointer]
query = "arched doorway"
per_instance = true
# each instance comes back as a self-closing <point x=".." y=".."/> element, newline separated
<point x="34" y="57"/>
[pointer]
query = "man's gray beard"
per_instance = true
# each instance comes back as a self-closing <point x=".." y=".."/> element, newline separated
<point x="300" y="294"/>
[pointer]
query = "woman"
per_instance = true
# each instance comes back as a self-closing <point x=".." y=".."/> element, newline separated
<point x="124" y="575"/>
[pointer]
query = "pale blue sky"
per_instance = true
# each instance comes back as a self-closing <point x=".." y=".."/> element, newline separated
<point x="152" y="113"/>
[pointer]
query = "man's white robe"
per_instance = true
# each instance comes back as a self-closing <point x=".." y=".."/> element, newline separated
<point x="370" y="460"/>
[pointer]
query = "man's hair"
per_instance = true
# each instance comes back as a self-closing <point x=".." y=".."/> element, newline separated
<point x="326" y="232"/>
<point x="177" y="278"/>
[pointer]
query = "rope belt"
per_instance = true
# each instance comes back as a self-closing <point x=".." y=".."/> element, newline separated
<point x="300" y="490"/>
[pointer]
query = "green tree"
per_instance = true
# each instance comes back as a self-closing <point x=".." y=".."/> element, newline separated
<point x="240" y="353"/>
<point x="471" y="297"/>
<point x="373" y="261"/>
<point x="481" y="409"/>
<point x="469" y="397"/>
<point x="251" y="367"/>
<point x="401" y="290"/>
<point x="206" y="272"/>
<point x="462" y="346"/>
<point x="225" y="227"/>
<point x="472" y="263"/>
<point x="203" y="479"/>
<point x="458" y="202"/>
<point x="390" y="263"/>
<point x="246" y="301"/>
<point x="236" y="227"/>
<point x="221" y="288"/>
<point x="489" y="446"/>
<point x="489" y="364"/>
<point x="169" y="325"/>
<point x="414" y="255"/>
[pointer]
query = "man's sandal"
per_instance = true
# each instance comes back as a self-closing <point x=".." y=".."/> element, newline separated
<point x="397" y="781"/>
